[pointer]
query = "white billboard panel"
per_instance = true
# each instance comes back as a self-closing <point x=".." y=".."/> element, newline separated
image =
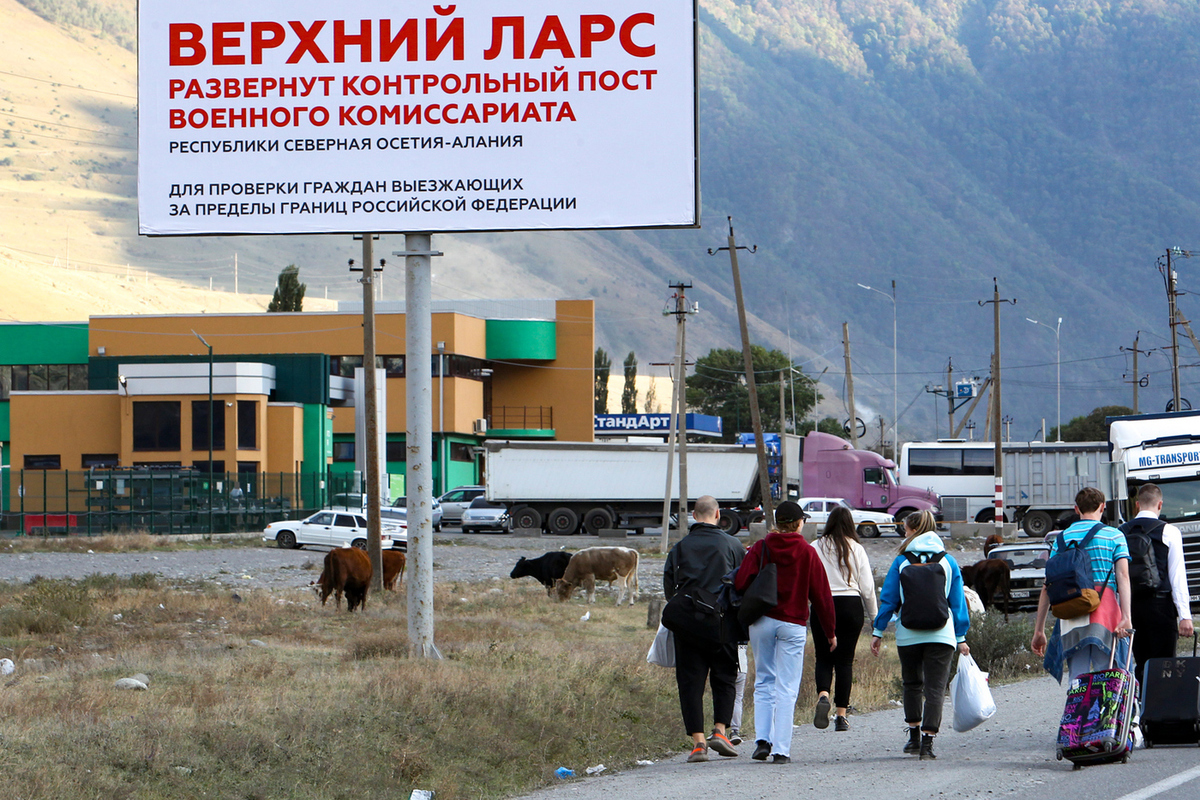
<point x="306" y="117"/>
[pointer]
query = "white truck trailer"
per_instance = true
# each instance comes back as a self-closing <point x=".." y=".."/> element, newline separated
<point x="1163" y="449"/>
<point x="561" y="486"/>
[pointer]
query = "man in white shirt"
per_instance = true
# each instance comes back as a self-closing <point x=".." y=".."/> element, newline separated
<point x="1161" y="614"/>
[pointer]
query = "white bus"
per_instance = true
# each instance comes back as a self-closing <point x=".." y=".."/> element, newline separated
<point x="1040" y="478"/>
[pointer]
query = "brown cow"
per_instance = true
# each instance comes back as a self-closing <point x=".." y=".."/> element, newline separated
<point x="995" y="540"/>
<point x="393" y="568"/>
<point x="989" y="578"/>
<point x="619" y="564"/>
<point x="347" y="570"/>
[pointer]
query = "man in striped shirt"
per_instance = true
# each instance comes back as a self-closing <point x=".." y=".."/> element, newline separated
<point x="1085" y="642"/>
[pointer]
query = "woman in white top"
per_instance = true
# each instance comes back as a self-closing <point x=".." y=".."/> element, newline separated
<point x="853" y="588"/>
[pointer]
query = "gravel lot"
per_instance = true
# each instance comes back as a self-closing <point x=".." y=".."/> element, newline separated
<point x="457" y="557"/>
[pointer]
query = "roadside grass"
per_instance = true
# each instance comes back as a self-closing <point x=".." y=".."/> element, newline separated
<point x="275" y="696"/>
<point x="120" y="543"/>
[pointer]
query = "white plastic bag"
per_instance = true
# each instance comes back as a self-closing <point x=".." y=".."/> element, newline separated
<point x="969" y="692"/>
<point x="662" y="649"/>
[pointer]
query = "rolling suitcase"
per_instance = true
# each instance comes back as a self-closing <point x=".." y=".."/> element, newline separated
<point x="1171" y="700"/>
<point x="1096" y="721"/>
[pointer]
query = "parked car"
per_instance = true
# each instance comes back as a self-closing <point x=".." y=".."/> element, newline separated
<point x="1027" y="565"/>
<point x="483" y="515"/>
<point x="333" y="528"/>
<point x="398" y="511"/>
<point x="455" y="501"/>
<point x="869" y="524"/>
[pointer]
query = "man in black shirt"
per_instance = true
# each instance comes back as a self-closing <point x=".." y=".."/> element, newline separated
<point x="701" y="559"/>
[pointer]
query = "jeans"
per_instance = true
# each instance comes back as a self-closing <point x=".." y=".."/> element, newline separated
<point x="698" y="661"/>
<point x="778" y="666"/>
<point x="840" y="662"/>
<point x="1092" y="658"/>
<point x="739" y="696"/>
<point x="925" y="671"/>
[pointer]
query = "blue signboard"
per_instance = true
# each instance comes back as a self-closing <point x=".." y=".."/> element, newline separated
<point x="637" y="424"/>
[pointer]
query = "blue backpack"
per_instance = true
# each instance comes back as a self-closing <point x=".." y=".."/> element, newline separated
<point x="1069" y="570"/>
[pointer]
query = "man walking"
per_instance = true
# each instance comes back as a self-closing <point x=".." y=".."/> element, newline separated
<point x="1160" y="613"/>
<point x="700" y="560"/>
<point x="1085" y="642"/>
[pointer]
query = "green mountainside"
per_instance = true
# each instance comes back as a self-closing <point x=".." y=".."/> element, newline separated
<point x="936" y="143"/>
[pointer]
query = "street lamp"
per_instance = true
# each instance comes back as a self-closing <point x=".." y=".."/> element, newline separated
<point x="210" y="431"/>
<point x="1057" y="367"/>
<point x="895" y="373"/>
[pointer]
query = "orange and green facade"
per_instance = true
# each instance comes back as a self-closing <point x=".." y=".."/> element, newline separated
<point x="125" y="399"/>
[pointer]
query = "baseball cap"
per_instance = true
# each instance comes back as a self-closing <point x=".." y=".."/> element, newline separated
<point x="789" y="512"/>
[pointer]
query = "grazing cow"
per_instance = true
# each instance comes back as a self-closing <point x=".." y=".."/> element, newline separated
<point x="974" y="602"/>
<point x="995" y="540"/>
<point x="546" y="569"/>
<point x="393" y="568"/>
<point x="989" y="577"/>
<point x="347" y="570"/>
<point x="610" y="564"/>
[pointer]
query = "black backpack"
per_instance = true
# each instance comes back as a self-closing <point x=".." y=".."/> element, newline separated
<point x="1146" y="570"/>
<point x="923" y="603"/>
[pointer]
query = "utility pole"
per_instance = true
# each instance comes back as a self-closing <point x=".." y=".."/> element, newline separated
<point x="764" y="479"/>
<point x="1137" y="379"/>
<point x="1169" y="278"/>
<point x="850" y="385"/>
<point x="1008" y="421"/>
<point x="950" y="393"/>
<point x="210" y="432"/>
<point x="371" y="414"/>
<point x="678" y="425"/>
<point x="998" y="513"/>
<point x="783" y="493"/>
<point x="418" y="345"/>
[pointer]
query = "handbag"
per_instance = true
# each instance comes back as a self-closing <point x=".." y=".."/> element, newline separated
<point x="695" y="613"/>
<point x="969" y="692"/>
<point x="1087" y="601"/>
<point x="762" y="595"/>
<point x="662" y="649"/>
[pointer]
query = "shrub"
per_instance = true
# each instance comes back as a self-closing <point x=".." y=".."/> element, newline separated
<point x="1002" y="648"/>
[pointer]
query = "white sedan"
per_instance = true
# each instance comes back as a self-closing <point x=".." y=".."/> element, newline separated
<point x="868" y="523"/>
<point x="332" y="528"/>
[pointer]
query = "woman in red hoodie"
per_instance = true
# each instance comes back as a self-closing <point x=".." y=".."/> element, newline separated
<point x="778" y="637"/>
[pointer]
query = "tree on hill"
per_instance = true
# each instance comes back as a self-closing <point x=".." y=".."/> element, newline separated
<point x="603" y="368"/>
<point x="826" y="425"/>
<point x="629" y="393"/>
<point x="1090" y="428"/>
<point x="717" y="388"/>
<point x="289" y="291"/>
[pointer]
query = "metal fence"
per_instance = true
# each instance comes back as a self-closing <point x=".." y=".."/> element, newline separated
<point x="93" y="502"/>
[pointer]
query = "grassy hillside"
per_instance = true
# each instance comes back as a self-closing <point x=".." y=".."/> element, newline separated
<point x="936" y="143"/>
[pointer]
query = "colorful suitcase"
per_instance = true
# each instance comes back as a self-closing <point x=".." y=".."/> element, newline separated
<point x="1098" y="716"/>
<point x="1171" y="700"/>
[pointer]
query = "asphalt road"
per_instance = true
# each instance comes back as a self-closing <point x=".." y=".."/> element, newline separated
<point x="1010" y="756"/>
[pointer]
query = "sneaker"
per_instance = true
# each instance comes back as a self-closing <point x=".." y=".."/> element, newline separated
<point x="914" y="741"/>
<point x="778" y="759"/>
<point x="761" y="750"/>
<point x="927" y="747"/>
<point x="735" y="738"/>
<point x="699" y="753"/>
<point x="821" y="717"/>
<point x="722" y="745"/>
<point x="840" y="723"/>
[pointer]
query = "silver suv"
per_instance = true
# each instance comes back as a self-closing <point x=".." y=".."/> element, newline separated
<point x="456" y="500"/>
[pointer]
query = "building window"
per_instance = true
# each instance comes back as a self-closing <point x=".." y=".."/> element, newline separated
<point x="396" y="451"/>
<point x="461" y="452"/>
<point x="43" y="462"/>
<point x="77" y="377"/>
<point x="218" y="467"/>
<point x="55" y="377"/>
<point x="247" y="411"/>
<point x="345" y="365"/>
<point x="247" y="467"/>
<point x="37" y="378"/>
<point x="20" y="378"/>
<point x="157" y="466"/>
<point x="343" y="451"/>
<point x="200" y="425"/>
<point x="99" y="460"/>
<point x="156" y="425"/>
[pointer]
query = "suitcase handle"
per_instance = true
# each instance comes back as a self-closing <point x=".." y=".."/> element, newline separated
<point x="1112" y="654"/>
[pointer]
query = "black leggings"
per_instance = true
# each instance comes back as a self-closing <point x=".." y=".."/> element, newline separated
<point x="848" y="626"/>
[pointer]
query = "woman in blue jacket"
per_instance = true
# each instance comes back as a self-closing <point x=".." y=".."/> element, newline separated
<point x="926" y="644"/>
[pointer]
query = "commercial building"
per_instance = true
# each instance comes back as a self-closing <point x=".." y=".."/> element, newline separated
<point x="92" y="414"/>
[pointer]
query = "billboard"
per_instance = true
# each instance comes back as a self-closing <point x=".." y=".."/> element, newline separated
<point x="306" y="117"/>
